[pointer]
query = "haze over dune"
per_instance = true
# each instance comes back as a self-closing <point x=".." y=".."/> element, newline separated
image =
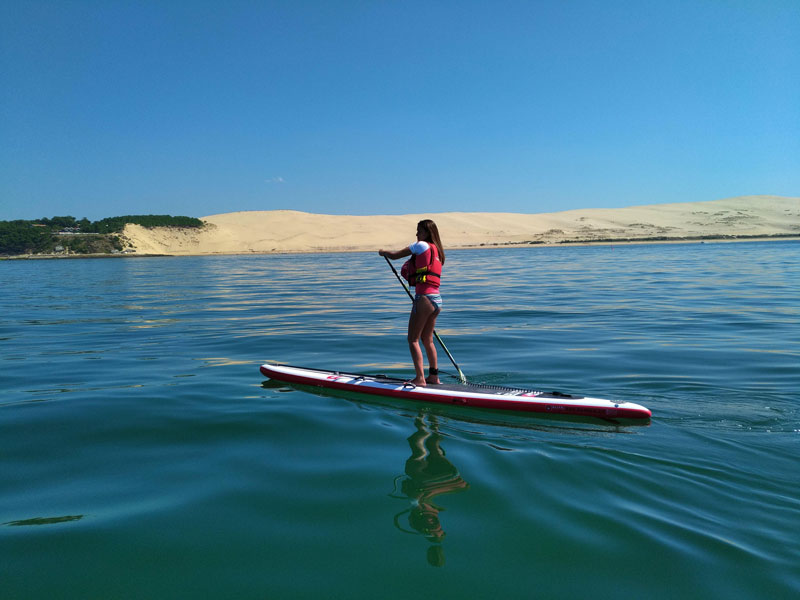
<point x="294" y="231"/>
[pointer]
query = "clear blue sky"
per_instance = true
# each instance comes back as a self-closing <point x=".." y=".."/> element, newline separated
<point x="389" y="107"/>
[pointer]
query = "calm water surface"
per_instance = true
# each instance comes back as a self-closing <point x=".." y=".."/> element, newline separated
<point x="142" y="455"/>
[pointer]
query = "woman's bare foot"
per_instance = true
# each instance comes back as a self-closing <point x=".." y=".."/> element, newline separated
<point x="433" y="380"/>
<point x="418" y="382"/>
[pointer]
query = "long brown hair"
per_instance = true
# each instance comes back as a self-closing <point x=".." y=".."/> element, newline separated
<point x="432" y="230"/>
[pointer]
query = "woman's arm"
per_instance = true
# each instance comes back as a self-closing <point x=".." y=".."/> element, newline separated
<point x="395" y="255"/>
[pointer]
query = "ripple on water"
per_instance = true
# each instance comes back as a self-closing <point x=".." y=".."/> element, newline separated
<point x="136" y="428"/>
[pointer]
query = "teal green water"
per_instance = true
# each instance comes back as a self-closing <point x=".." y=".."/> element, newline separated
<point x="142" y="455"/>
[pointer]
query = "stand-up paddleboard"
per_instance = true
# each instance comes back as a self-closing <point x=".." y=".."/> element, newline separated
<point x="479" y="396"/>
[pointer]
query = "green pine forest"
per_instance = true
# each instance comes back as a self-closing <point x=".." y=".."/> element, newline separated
<point x="68" y="235"/>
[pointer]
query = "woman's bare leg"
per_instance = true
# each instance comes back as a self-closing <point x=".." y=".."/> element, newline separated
<point x="416" y="326"/>
<point x="430" y="347"/>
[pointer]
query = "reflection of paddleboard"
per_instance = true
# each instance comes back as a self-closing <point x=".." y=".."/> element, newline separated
<point x="479" y="396"/>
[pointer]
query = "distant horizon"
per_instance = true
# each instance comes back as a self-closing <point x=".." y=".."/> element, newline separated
<point x="111" y="216"/>
<point x="365" y="108"/>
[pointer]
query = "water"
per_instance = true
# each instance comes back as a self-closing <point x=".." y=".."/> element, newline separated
<point x="143" y="456"/>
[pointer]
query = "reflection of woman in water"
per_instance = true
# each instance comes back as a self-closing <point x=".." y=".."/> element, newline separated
<point x="429" y="474"/>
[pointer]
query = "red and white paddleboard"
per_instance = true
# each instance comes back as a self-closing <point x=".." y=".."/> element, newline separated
<point x="479" y="396"/>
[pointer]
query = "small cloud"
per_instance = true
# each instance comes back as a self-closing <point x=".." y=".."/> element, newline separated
<point x="275" y="180"/>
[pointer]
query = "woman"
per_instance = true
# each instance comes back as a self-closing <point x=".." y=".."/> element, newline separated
<point x="425" y="270"/>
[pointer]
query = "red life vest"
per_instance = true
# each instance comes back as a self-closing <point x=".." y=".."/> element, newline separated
<point x="430" y="273"/>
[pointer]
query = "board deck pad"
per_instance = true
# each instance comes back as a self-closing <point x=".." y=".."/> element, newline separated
<point x="468" y="394"/>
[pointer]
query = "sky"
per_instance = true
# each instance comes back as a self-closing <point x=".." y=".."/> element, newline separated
<point x="366" y="107"/>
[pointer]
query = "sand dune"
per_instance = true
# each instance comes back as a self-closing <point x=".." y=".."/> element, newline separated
<point x="293" y="231"/>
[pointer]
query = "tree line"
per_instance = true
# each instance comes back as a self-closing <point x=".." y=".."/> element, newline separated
<point x="40" y="236"/>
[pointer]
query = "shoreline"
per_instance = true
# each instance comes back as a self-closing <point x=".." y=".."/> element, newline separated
<point x="290" y="231"/>
<point x="73" y="256"/>
<point x="483" y="246"/>
<point x="745" y="218"/>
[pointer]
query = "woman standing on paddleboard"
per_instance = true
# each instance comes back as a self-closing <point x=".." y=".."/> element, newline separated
<point x="423" y="271"/>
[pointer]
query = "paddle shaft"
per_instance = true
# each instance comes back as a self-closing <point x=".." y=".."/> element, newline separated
<point x="436" y="335"/>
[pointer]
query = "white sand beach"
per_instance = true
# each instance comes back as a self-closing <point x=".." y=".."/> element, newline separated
<point x="294" y="231"/>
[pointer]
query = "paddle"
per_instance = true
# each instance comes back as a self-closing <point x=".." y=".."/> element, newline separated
<point x="441" y="343"/>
